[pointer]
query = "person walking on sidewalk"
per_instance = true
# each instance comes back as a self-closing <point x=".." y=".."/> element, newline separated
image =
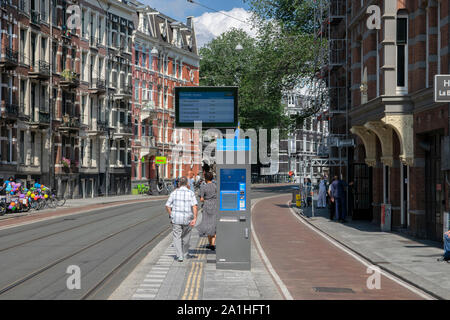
<point x="191" y="181"/>
<point x="308" y="192"/>
<point x="338" y="194"/>
<point x="322" y="201"/>
<point x="207" y="227"/>
<point x="331" y="203"/>
<point x="182" y="209"/>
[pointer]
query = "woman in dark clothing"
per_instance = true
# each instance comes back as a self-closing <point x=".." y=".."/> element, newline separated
<point x="209" y="215"/>
<point x="331" y="203"/>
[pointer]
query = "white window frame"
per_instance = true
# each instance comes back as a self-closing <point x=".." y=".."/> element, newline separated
<point x="404" y="89"/>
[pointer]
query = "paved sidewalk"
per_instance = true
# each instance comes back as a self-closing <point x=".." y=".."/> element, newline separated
<point x="160" y="277"/>
<point x="411" y="259"/>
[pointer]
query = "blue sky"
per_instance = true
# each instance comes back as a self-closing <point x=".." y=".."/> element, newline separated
<point x="180" y="9"/>
<point x="208" y="23"/>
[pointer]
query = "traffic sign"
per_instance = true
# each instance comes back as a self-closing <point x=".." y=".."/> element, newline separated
<point x="442" y="88"/>
<point x="160" y="160"/>
<point x="346" y="143"/>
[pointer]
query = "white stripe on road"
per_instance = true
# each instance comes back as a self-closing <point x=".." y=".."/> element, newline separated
<point x="154" y="280"/>
<point x="143" y="296"/>
<point x="151" y="275"/>
<point x="150" y="285"/>
<point x="269" y="267"/>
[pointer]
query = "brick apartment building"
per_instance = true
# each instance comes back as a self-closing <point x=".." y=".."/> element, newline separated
<point x="164" y="56"/>
<point x="66" y="94"/>
<point x="399" y="129"/>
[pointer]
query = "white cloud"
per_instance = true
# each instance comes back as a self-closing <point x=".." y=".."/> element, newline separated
<point x="212" y="24"/>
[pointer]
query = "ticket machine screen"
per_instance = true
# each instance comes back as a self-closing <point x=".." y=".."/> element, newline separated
<point x="233" y="190"/>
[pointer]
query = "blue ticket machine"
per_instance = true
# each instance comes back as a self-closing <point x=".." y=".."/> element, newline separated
<point x="233" y="221"/>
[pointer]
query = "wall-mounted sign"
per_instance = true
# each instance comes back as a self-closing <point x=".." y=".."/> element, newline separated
<point x="160" y="160"/>
<point x="442" y="88"/>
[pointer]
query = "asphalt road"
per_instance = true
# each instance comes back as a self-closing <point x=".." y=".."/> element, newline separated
<point x="105" y="244"/>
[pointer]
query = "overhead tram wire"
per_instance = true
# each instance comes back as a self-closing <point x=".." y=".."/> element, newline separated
<point x="202" y="5"/>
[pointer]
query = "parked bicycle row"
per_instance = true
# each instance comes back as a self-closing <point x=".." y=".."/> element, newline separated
<point x="15" y="197"/>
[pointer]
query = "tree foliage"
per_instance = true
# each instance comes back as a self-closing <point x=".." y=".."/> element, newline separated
<point x="293" y="15"/>
<point x="280" y="57"/>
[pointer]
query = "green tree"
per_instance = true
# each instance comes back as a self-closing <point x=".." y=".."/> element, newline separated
<point x="223" y="65"/>
<point x="276" y="61"/>
<point x="292" y="15"/>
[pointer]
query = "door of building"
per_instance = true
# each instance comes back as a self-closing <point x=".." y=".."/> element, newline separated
<point x="434" y="188"/>
<point x="362" y="192"/>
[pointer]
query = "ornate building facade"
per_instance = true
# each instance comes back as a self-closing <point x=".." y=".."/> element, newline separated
<point x="164" y="56"/>
<point x="67" y="93"/>
<point x="400" y="131"/>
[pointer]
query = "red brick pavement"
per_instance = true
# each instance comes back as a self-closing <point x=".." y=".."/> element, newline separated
<point x="40" y="216"/>
<point x="305" y="260"/>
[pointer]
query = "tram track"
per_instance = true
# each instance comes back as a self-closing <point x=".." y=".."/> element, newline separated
<point x="61" y="231"/>
<point x="16" y="283"/>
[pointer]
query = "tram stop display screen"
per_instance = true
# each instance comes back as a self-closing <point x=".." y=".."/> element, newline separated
<point x="215" y="107"/>
<point x="233" y="190"/>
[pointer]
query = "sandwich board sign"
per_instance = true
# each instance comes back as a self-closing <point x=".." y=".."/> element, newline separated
<point x="442" y="88"/>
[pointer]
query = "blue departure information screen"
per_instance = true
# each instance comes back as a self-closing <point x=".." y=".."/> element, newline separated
<point x="213" y="106"/>
<point x="233" y="192"/>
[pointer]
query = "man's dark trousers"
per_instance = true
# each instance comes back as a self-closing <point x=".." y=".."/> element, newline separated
<point x="339" y="203"/>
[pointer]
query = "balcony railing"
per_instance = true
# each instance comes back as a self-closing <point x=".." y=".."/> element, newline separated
<point x="23" y="60"/>
<point x="148" y="111"/>
<point x="97" y="84"/>
<point x="44" y="117"/>
<point x="43" y="17"/>
<point x="22" y="114"/>
<point x="23" y="6"/>
<point x="94" y="41"/>
<point x="9" y="57"/>
<point x="5" y="3"/>
<point x="40" y="69"/>
<point x="101" y="125"/>
<point x="69" y="78"/>
<point x="126" y="89"/>
<point x="69" y="122"/>
<point x="35" y="17"/>
<point x="148" y="142"/>
<point x="11" y="110"/>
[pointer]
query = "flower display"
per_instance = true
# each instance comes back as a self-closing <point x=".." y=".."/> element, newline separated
<point x="65" y="162"/>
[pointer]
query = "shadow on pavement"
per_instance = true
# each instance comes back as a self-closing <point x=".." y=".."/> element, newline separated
<point x="368" y="226"/>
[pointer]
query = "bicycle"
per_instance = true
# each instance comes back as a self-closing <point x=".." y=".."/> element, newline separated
<point x="2" y="206"/>
<point x="164" y="187"/>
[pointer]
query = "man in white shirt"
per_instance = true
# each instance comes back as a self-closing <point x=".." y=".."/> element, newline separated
<point x="182" y="209"/>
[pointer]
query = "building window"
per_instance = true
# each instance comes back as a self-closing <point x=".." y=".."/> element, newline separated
<point x="439" y="37"/>
<point x="32" y="146"/>
<point x="82" y="151"/>
<point x="143" y="174"/>
<point x="22" y="147"/>
<point x="91" y="147"/>
<point x="54" y="54"/>
<point x="427" y="49"/>
<point x="402" y="53"/>
<point x="136" y="91"/>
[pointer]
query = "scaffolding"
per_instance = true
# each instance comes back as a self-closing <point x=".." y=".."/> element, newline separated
<point x="331" y="21"/>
